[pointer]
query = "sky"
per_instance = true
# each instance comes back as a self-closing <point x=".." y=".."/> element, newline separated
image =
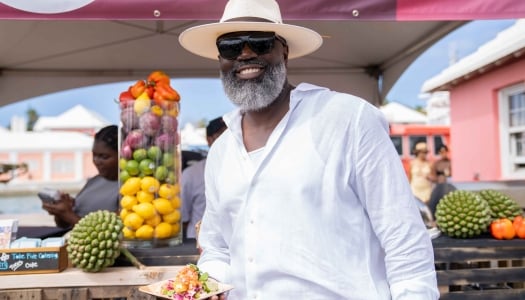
<point x="197" y="102"/>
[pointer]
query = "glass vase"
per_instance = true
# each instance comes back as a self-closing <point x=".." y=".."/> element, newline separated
<point x="150" y="160"/>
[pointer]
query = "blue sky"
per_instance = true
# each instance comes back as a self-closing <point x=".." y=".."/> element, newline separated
<point x="197" y="104"/>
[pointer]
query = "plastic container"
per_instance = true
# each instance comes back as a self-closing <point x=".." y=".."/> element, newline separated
<point x="150" y="160"/>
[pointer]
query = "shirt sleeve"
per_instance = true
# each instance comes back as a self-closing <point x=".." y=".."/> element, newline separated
<point x="215" y="256"/>
<point x="384" y="191"/>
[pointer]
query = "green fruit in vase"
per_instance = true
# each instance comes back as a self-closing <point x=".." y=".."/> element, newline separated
<point x="155" y="153"/>
<point x="168" y="159"/>
<point x="140" y="154"/>
<point x="146" y="166"/>
<point x="132" y="166"/>
<point x="123" y="176"/>
<point x="161" y="173"/>
<point x="122" y="163"/>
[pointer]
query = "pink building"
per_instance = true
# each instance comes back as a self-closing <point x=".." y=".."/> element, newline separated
<point x="487" y="107"/>
<point x="57" y="152"/>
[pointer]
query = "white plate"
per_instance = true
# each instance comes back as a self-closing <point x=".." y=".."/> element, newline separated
<point x="155" y="290"/>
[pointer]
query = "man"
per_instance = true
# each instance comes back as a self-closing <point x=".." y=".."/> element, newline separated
<point x="441" y="170"/>
<point x="306" y="196"/>
<point x="192" y="182"/>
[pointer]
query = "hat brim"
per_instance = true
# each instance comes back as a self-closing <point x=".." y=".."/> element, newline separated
<point x="200" y="40"/>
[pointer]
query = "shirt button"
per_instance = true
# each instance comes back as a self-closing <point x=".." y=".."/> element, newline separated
<point x="252" y="221"/>
<point x="250" y="259"/>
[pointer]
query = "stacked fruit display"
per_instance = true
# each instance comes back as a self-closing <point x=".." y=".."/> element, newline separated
<point x="467" y="214"/>
<point x="150" y="162"/>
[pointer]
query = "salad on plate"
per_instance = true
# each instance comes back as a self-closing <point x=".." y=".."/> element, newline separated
<point x="190" y="283"/>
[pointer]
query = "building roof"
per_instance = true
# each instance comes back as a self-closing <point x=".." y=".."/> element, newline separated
<point x="400" y="114"/>
<point x="78" y="117"/>
<point x="509" y="43"/>
<point x="193" y="137"/>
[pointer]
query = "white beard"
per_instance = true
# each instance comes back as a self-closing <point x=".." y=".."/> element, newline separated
<point x="255" y="94"/>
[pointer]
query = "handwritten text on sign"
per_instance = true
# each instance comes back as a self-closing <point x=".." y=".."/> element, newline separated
<point x="27" y="261"/>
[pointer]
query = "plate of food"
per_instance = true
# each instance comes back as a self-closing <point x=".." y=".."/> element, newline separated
<point x="190" y="283"/>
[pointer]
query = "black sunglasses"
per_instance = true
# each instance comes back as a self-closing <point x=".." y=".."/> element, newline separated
<point x="230" y="47"/>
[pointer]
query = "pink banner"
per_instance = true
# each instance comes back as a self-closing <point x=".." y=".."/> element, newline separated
<point x="290" y="9"/>
<point x="459" y="9"/>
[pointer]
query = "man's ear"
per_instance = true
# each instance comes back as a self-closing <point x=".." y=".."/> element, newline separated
<point x="285" y="55"/>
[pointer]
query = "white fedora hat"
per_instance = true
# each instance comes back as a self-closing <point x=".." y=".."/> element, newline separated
<point x="201" y="39"/>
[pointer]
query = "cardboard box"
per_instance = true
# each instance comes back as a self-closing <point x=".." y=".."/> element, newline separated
<point x="33" y="260"/>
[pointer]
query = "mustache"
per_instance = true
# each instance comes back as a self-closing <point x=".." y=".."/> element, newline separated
<point x="254" y="61"/>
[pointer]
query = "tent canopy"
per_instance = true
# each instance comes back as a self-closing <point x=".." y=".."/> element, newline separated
<point x="50" y="46"/>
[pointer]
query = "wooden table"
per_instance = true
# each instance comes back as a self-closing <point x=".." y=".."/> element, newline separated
<point x="480" y="268"/>
<point x="118" y="282"/>
<point x="74" y="284"/>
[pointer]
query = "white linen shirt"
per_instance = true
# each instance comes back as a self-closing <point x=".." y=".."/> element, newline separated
<point x="327" y="213"/>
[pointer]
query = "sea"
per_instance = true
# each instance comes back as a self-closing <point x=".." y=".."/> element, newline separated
<point x="20" y="204"/>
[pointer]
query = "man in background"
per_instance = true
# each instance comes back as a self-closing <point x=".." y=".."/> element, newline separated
<point x="441" y="169"/>
<point x="192" y="184"/>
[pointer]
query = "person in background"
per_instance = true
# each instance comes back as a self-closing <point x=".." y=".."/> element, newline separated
<point x="439" y="175"/>
<point x="420" y="169"/>
<point x="441" y="168"/>
<point x="306" y="197"/>
<point x="100" y="192"/>
<point x="192" y="184"/>
<point x="189" y="157"/>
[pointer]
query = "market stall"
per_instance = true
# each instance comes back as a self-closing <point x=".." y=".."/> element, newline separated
<point x="479" y="268"/>
<point x="119" y="281"/>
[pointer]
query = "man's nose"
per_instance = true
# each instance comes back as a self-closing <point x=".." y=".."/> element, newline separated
<point x="247" y="52"/>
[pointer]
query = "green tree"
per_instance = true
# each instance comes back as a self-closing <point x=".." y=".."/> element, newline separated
<point x="32" y="117"/>
<point x="421" y="109"/>
<point x="202" y="123"/>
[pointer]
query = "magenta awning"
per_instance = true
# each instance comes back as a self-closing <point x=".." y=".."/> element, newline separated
<point x="291" y="9"/>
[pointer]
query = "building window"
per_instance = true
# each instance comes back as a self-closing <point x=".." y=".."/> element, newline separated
<point x="439" y="141"/>
<point x="414" y="139"/>
<point x="62" y="166"/>
<point x="398" y="144"/>
<point x="512" y="131"/>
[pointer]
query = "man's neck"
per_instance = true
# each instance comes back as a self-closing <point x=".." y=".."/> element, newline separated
<point x="258" y="125"/>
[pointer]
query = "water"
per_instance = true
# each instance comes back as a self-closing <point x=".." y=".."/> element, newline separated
<point x="20" y="204"/>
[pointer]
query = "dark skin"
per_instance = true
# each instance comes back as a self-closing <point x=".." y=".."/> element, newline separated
<point x="258" y="125"/>
<point x="105" y="160"/>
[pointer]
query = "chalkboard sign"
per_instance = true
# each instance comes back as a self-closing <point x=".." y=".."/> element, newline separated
<point x="33" y="260"/>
